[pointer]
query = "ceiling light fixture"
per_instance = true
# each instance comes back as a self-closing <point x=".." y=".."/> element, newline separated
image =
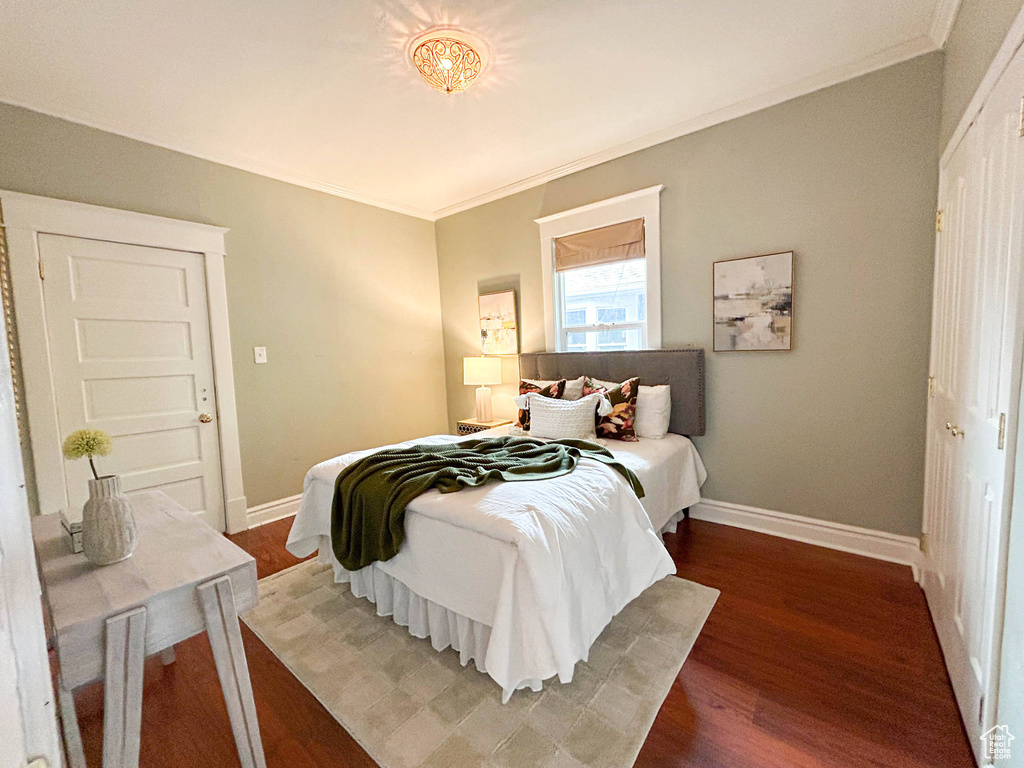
<point x="448" y="59"/>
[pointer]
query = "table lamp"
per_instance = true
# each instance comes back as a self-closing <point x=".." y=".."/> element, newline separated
<point x="480" y="372"/>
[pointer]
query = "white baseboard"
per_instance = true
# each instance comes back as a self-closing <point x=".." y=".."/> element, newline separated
<point x="880" y="545"/>
<point x="262" y="514"/>
<point x="235" y="515"/>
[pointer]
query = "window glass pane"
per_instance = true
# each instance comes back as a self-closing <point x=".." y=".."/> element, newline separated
<point x="611" y="314"/>
<point x="576" y="317"/>
<point x="605" y="293"/>
<point x="603" y="341"/>
<point x="576" y="342"/>
<point x="611" y="339"/>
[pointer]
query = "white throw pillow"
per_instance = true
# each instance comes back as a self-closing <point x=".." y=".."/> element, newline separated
<point x="653" y="411"/>
<point x="608" y="384"/>
<point x="561" y="419"/>
<point x="573" y="387"/>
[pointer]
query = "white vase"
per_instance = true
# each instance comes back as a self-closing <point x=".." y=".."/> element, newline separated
<point x="108" y="526"/>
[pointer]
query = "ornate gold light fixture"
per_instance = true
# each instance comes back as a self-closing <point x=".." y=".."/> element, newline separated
<point x="448" y="59"/>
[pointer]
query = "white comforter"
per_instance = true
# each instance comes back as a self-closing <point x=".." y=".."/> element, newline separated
<point x="545" y="564"/>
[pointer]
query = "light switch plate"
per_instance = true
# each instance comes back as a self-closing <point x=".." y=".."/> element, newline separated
<point x="259" y="354"/>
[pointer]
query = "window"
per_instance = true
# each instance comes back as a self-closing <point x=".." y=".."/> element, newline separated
<point x="601" y="268"/>
<point x="603" y="307"/>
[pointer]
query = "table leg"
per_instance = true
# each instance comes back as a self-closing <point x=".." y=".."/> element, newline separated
<point x="122" y="688"/>
<point x="167" y="656"/>
<point x="218" y="604"/>
<point x="69" y="725"/>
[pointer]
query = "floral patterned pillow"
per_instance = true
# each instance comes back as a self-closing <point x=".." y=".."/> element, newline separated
<point x="554" y="389"/>
<point x="617" y="425"/>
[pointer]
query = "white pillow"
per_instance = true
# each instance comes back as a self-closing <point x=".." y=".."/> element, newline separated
<point x="573" y="387"/>
<point x="653" y="411"/>
<point x="560" y="419"/>
<point x="608" y="384"/>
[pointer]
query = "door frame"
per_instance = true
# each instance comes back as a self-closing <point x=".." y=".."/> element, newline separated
<point x="25" y="217"/>
<point x="27" y="701"/>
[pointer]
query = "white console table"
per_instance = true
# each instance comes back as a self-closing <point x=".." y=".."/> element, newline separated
<point x="184" y="578"/>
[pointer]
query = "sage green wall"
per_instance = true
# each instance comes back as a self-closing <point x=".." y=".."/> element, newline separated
<point x="846" y="177"/>
<point x="977" y="33"/>
<point x="343" y="295"/>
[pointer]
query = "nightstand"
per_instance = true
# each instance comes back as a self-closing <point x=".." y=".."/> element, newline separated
<point x="469" y="426"/>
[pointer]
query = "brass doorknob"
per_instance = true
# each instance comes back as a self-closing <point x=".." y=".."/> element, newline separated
<point x="957" y="432"/>
<point x="205" y="418"/>
<point x="948" y="425"/>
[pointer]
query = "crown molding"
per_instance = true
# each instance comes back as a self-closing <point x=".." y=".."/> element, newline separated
<point x="942" y="21"/>
<point x="885" y="58"/>
<point x="946" y="11"/>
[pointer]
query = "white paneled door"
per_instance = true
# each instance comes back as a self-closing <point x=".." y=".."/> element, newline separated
<point x="975" y="379"/>
<point x="129" y="335"/>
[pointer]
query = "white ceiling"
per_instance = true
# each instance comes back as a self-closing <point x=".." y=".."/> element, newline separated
<point x="321" y="92"/>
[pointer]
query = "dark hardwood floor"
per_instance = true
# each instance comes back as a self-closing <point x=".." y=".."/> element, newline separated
<point x="810" y="658"/>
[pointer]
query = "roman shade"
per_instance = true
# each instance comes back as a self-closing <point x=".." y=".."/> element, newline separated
<point x="617" y="242"/>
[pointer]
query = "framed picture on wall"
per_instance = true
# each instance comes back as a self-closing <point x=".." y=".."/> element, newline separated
<point x="499" y="331"/>
<point x="754" y="303"/>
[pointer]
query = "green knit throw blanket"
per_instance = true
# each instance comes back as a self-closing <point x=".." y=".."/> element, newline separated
<point x="370" y="495"/>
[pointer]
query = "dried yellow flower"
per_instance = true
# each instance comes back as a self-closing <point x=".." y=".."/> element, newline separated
<point x="87" y="442"/>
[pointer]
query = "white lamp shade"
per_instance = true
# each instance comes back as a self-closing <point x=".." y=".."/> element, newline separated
<point x="481" y="371"/>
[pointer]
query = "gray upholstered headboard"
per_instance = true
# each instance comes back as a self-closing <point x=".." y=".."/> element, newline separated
<point x="682" y="369"/>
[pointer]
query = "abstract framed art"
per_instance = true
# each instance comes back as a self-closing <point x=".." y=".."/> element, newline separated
<point x="499" y="331"/>
<point x="753" y="299"/>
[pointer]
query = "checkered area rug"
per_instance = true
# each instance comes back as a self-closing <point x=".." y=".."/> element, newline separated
<point x="408" y="705"/>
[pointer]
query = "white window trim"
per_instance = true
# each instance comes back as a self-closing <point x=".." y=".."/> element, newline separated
<point x="643" y="204"/>
<point x="25" y="217"/>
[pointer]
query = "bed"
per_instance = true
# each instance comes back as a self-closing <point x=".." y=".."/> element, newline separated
<point x="520" y="578"/>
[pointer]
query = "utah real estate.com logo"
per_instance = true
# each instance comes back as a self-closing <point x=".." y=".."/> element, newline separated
<point x="995" y="743"/>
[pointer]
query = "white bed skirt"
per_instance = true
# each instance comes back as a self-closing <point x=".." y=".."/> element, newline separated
<point x="423" y="618"/>
<point x="673" y="522"/>
<point x="426" y="619"/>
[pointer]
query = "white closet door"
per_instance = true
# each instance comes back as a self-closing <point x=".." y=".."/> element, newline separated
<point x="942" y="475"/>
<point x="129" y="337"/>
<point x="974" y="348"/>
